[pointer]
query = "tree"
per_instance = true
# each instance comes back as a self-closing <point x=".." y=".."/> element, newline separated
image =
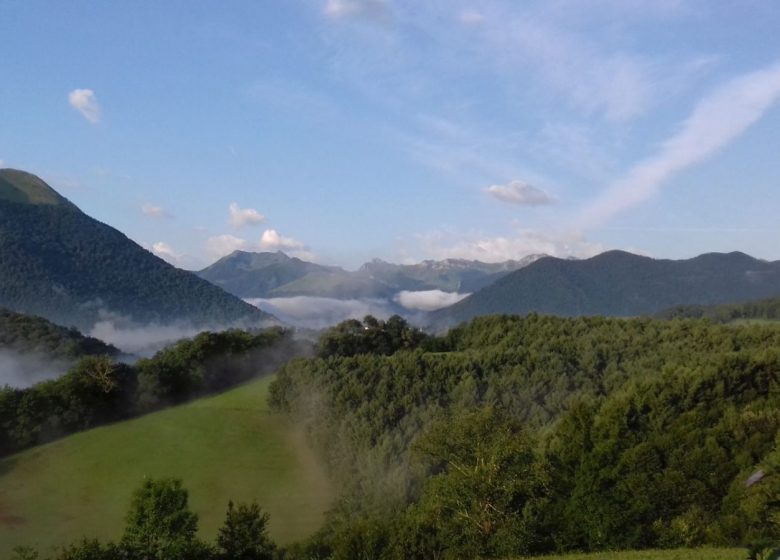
<point x="244" y="536"/>
<point x="160" y="525"/>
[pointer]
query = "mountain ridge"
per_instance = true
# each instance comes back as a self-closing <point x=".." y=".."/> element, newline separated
<point x="619" y="283"/>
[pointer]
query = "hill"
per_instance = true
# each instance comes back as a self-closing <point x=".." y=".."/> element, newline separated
<point x="617" y="283"/>
<point x="33" y="349"/>
<point x="28" y="334"/>
<point x="269" y="275"/>
<point x="224" y="447"/>
<point x="57" y="262"/>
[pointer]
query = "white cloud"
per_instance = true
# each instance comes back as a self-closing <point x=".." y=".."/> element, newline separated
<point x="519" y="192"/>
<point x="502" y="248"/>
<point x="377" y="10"/>
<point x="221" y="245"/>
<point x="715" y="122"/>
<point x="240" y="217"/>
<point x="429" y="300"/>
<point x="272" y="241"/>
<point x="85" y="102"/>
<point x="153" y="211"/>
<point x="2" y="163"/>
<point x="471" y="17"/>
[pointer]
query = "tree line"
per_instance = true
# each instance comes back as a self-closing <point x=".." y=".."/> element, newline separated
<point x="97" y="390"/>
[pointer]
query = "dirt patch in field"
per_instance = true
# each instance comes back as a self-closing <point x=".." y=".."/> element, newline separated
<point x="8" y="520"/>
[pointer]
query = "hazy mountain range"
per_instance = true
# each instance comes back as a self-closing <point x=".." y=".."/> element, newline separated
<point x="273" y="275"/>
<point x="58" y="263"/>
<point x="617" y="283"/>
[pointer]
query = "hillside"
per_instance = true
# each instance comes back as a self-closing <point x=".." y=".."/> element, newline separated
<point x="225" y="447"/>
<point x="617" y="283"/>
<point x="760" y="310"/>
<point x="59" y="263"/>
<point x="269" y="275"/>
<point x="28" y="334"/>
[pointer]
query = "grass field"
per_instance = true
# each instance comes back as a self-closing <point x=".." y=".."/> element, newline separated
<point x="681" y="554"/>
<point x="224" y="447"/>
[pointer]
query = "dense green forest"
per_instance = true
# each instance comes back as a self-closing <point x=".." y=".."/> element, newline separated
<point x="761" y="310"/>
<point x="98" y="390"/>
<point x="29" y="334"/>
<point x="513" y="436"/>
<point x="57" y="262"/>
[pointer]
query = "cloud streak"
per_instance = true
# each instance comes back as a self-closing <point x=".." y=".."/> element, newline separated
<point x="519" y="192"/>
<point x="86" y="103"/>
<point x="374" y="10"/>
<point x="152" y="211"/>
<point x="428" y="300"/>
<point x="715" y="122"/>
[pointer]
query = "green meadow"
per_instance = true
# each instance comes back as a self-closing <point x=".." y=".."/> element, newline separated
<point x="678" y="554"/>
<point x="224" y="447"/>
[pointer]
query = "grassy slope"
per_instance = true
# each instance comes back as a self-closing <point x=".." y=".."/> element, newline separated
<point x="223" y="447"/>
<point x="681" y="554"/>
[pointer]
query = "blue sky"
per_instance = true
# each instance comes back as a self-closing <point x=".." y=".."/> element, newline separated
<point x="342" y="130"/>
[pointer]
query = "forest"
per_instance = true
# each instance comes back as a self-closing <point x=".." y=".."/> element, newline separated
<point x="507" y="436"/>
<point x="511" y="436"/>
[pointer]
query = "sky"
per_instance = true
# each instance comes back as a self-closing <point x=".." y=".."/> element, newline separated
<point x="344" y="130"/>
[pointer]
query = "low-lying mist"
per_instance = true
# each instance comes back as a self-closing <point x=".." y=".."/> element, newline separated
<point x="24" y="370"/>
<point x="321" y="312"/>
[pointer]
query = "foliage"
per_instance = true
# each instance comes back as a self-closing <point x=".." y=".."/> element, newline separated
<point x="372" y="336"/>
<point x="28" y="334"/>
<point x="97" y="390"/>
<point x="244" y="536"/>
<point x="619" y="434"/>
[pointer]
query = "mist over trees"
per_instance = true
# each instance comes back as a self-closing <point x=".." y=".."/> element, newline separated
<point x="98" y="390"/>
<point x="513" y="436"/>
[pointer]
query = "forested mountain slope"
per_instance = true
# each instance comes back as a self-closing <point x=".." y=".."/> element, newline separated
<point x="57" y="262"/>
<point x="617" y="283"/>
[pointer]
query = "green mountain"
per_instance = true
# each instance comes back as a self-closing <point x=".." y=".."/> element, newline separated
<point x="57" y="262"/>
<point x="268" y="275"/>
<point x="26" y="334"/>
<point x="617" y="283"/>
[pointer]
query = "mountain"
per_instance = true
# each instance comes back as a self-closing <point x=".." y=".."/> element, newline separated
<point x="58" y="263"/>
<point x="269" y="275"/>
<point x="617" y="283"/>
<point x="258" y="274"/>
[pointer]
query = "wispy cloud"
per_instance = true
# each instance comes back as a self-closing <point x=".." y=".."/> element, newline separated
<point x="522" y="243"/>
<point x="153" y="211"/>
<point x="716" y="121"/>
<point x="520" y="192"/>
<point x="166" y="252"/>
<point x="240" y="217"/>
<point x="222" y="245"/>
<point x="471" y="17"/>
<point x="86" y="103"/>
<point x="374" y="10"/>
